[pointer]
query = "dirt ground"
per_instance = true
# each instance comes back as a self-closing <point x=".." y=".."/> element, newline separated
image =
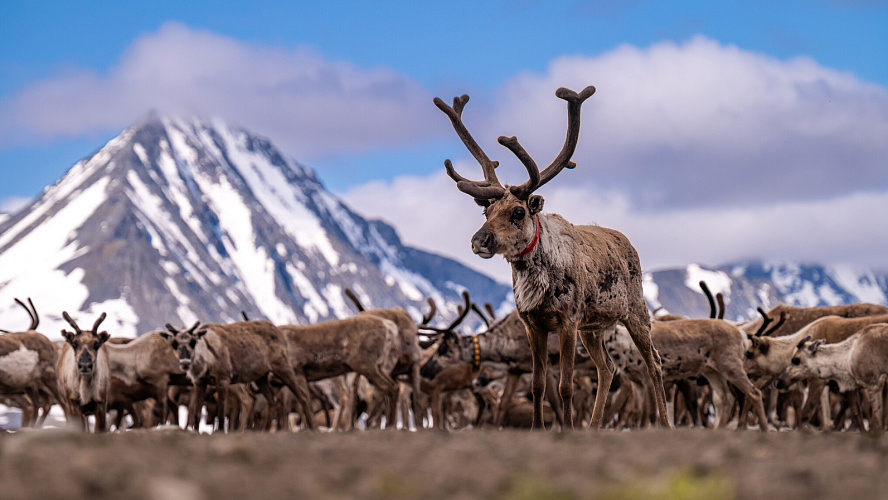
<point x="658" y="464"/>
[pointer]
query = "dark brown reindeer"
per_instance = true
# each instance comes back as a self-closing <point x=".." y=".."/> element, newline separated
<point x="566" y="278"/>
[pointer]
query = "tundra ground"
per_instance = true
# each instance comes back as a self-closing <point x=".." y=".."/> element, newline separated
<point x="679" y="464"/>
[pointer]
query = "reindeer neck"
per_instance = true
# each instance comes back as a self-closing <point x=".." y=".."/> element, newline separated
<point x="550" y="256"/>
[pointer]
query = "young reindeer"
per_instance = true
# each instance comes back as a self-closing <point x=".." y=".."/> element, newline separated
<point x="566" y="278"/>
<point x="85" y="373"/>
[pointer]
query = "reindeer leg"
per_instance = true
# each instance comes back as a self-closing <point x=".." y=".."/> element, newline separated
<point x="505" y="401"/>
<point x="539" y="356"/>
<point x="594" y="344"/>
<point x="639" y="327"/>
<point x="568" y="340"/>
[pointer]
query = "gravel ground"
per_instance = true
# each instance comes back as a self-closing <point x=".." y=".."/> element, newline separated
<point x="684" y="463"/>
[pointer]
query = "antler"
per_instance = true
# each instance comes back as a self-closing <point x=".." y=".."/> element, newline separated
<point x="433" y="309"/>
<point x="766" y="320"/>
<point x="462" y="312"/>
<point x="354" y="298"/>
<point x="71" y="322"/>
<point x="537" y="179"/>
<point x="32" y="312"/>
<point x="708" y="293"/>
<point x="490" y="187"/>
<point x="98" y="322"/>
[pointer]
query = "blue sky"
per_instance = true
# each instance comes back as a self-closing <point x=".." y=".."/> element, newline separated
<point x="707" y="113"/>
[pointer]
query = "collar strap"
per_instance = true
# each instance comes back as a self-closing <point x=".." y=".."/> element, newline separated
<point x="536" y="238"/>
<point x="476" y="353"/>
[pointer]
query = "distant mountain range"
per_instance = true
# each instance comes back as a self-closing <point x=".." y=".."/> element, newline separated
<point x="747" y="285"/>
<point x="180" y="219"/>
<point x="184" y="219"/>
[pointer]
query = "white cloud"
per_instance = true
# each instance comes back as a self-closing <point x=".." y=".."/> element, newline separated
<point x="13" y="204"/>
<point x="680" y="125"/>
<point x="699" y="152"/>
<point x="430" y="213"/>
<point x="309" y="104"/>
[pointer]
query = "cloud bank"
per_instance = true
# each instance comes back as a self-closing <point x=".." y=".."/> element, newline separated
<point x="309" y="104"/>
<point x="699" y="152"/>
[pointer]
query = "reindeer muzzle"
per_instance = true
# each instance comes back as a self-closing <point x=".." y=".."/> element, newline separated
<point x="85" y="364"/>
<point x="484" y="244"/>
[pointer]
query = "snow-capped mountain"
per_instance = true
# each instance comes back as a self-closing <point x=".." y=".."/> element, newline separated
<point x="185" y="219"/>
<point x="752" y="284"/>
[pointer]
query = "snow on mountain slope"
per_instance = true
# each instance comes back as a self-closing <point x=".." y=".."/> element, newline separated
<point x="179" y="219"/>
<point x="748" y="285"/>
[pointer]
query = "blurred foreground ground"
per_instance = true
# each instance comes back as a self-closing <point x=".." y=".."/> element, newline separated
<point x="694" y="464"/>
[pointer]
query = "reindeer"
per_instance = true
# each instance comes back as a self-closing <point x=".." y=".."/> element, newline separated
<point x="28" y="368"/>
<point x="410" y="353"/>
<point x="85" y="373"/>
<point x="566" y="278"/>
<point x="144" y="368"/>
<point x="858" y="362"/>
<point x="798" y="317"/>
<point x="366" y="344"/>
<point x="237" y="353"/>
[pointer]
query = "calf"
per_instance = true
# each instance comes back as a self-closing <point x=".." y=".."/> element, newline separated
<point x="860" y="361"/>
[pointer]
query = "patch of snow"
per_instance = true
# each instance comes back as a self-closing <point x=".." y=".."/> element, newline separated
<point x="278" y="196"/>
<point x="718" y="281"/>
<point x="29" y="268"/>
<point x="254" y="266"/>
<point x="121" y="320"/>
<point x="315" y="305"/>
<point x="651" y="291"/>
<point x="829" y="295"/>
<point x="861" y="284"/>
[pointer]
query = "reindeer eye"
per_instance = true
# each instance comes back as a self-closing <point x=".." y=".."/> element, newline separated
<point x="517" y="214"/>
<point x="192" y="343"/>
<point x="796" y="361"/>
<point x="175" y="345"/>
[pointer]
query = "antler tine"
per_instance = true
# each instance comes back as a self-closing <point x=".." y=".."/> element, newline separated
<point x="98" y="322"/>
<point x="71" y="322"/>
<point x="776" y="326"/>
<point x="463" y="310"/>
<point x="721" y="305"/>
<point x="766" y="320"/>
<point x="480" y="313"/>
<point x="433" y="309"/>
<point x="537" y="179"/>
<point x="354" y="298"/>
<point x="34" y="320"/>
<point x="194" y="327"/>
<point x="712" y="310"/>
<point x="490" y="187"/>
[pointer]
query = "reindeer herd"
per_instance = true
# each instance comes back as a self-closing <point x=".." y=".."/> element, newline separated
<point x="792" y="367"/>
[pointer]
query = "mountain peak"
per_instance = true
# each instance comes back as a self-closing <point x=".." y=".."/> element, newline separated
<point x="183" y="218"/>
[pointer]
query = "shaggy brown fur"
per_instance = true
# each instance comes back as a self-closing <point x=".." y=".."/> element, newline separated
<point x="798" y="317"/>
<point x="85" y="374"/>
<point x="566" y="278"/>
<point x="28" y="370"/>
<point x="366" y="344"/>
<point x="237" y="353"/>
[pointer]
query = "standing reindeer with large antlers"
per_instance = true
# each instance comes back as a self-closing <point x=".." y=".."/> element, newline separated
<point x="566" y="278"/>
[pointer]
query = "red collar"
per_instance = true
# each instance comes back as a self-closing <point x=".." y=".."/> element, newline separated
<point x="536" y="238"/>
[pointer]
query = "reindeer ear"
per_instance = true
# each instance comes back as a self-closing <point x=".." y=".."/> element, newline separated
<point x="200" y="332"/>
<point x="816" y="345"/>
<point x="764" y="347"/>
<point x="535" y="204"/>
<point x="803" y="341"/>
<point x="166" y="335"/>
<point x="103" y="337"/>
<point x="69" y="336"/>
